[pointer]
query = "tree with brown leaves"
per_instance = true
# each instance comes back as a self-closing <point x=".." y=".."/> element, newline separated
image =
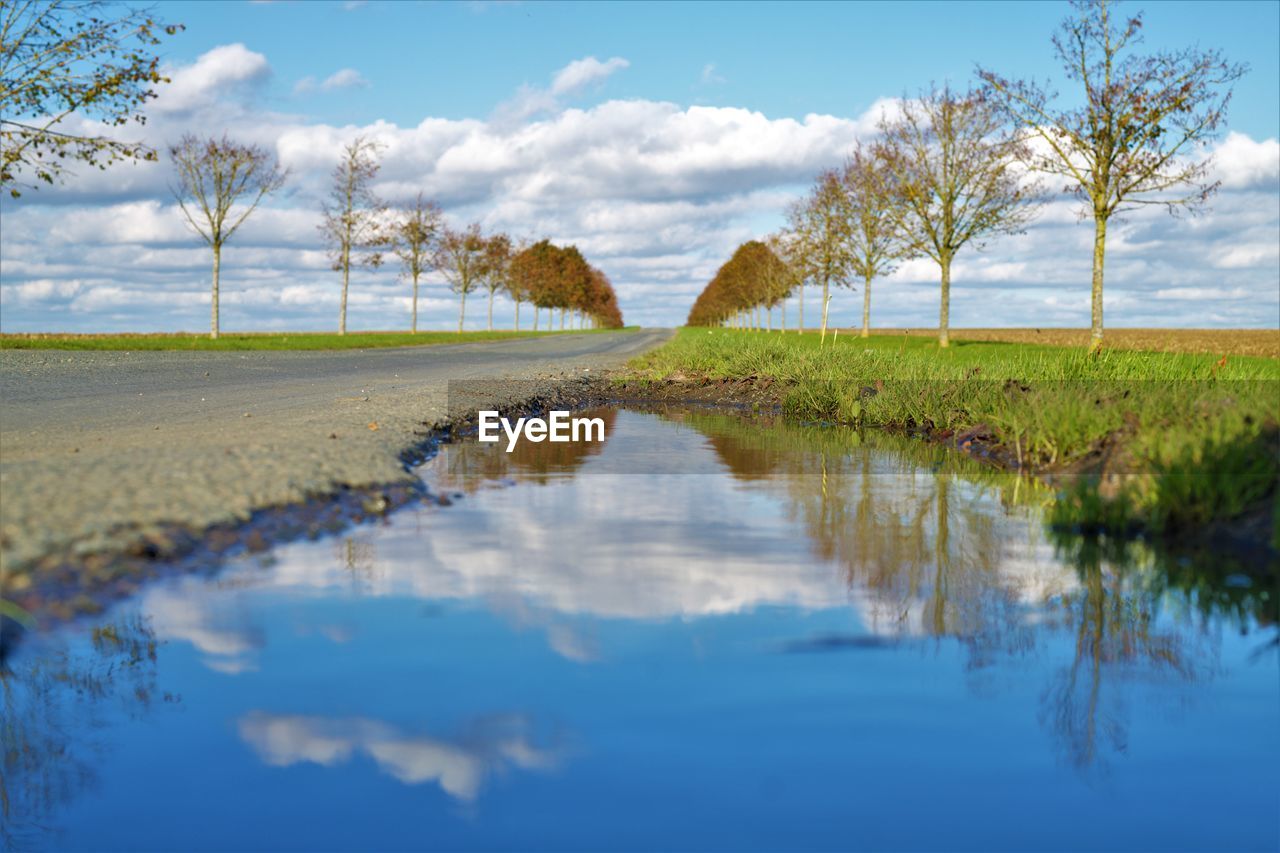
<point x="1126" y="142"/>
<point x="214" y="176"/>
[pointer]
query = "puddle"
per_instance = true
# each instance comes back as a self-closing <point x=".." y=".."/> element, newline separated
<point x="706" y="632"/>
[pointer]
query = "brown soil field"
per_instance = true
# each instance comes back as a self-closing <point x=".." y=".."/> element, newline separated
<point x="1256" y="342"/>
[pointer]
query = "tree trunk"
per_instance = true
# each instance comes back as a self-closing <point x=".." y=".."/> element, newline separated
<point x="517" y="315"/>
<point x="784" y="316"/>
<point x="800" y="329"/>
<point x="462" y="311"/>
<point x="491" y="310"/>
<point x="866" y="308"/>
<point x="768" y="317"/>
<point x="944" y="312"/>
<point x="1099" y="252"/>
<point x="536" y="311"/>
<point x="562" y="313"/>
<point x="217" y="274"/>
<point x="415" y="303"/>
<point x="346" y="279"/>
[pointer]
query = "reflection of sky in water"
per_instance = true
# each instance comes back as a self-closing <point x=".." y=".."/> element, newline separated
<point x="700" y="635"/>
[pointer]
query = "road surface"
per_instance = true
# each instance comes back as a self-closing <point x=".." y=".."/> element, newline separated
<point x="97" y="446"/>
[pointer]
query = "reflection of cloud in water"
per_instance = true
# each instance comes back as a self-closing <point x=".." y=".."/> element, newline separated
<point x="459" y="767"/>
<point x="188" y="609"/>
<point x="859" y="527"/>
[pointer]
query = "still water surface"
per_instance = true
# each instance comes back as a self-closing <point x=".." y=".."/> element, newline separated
<point x="706" y="633"/>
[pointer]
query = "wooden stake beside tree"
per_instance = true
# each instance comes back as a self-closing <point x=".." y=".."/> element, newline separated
<point x="214" y="175"/>
<point x="1139" y="115"/>
<point x="412" y="237"/>
<point x="953" y="168"/>
<point x="353" y="214"/>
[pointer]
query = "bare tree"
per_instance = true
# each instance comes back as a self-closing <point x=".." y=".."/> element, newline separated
<point x="821" y="224"/>
<point x="497" y="268"/>
<point x="954" y="173"/>
<point x="214" y="176"/>
<point x="874" y="240"/>
<point x="62" y="58"/>
<point x="1122" y="145"/>
<point x="462" y="256"/>
<point x="784" y="245"/>
<point x="413" y="237"/>
<point x="353" y="214"/>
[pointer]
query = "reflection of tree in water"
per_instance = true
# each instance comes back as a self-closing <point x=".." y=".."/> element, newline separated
<point x="915" y="528"/>
<point x="53" y="702"/>
<point x="468" y="465"/>
<point x="924" y="544"/>
<point x="359" y="557"/>
<point x="1117" y="638"/>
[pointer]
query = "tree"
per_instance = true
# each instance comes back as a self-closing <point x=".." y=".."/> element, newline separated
<point x="521" y="271"/>
<point x="874" y="241"/>
<point x="496" y="268"/>
<point x="63" y="58"/>
<point x="462" y="257"/>
<point x="1121" y="146"/>
<point x="412" y="237"/>
<point x="822" y="225"/>
<point x="353" y="214"/>
<point x="780" y="277"/>
<point x="952" y="165"/>
<point x="214" y="175"/>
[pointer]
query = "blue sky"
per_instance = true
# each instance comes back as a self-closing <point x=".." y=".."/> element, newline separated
<point x="459" y="60"/>
<point x="684" y="129"/>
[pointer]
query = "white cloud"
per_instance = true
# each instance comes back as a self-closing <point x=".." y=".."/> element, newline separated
<point x="580" y="73"/>
<point x="710" y="75"/>
<point x="214" y="76"/>
<point x="1241" y="162"/>
<point x="346" y="78"/>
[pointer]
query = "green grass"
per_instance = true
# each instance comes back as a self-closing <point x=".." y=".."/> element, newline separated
<point x="1163" y="442"/>
<point x="263" y="340"/>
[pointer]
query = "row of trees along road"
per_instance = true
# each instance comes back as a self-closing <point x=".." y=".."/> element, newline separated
<point x="95" y="59"/>
<point x="221" y="182"/>
<point x="954" y="169"/>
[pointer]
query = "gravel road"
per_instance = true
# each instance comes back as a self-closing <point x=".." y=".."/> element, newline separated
<point x="96" y="447"/>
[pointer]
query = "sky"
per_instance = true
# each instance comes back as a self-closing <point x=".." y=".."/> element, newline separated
<point x="656" y="137"/>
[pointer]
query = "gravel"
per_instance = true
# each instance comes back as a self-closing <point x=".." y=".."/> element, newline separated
<point x="97" y="448"/>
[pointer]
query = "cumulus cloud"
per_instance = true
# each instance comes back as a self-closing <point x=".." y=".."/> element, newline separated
<point x="1241" y="162"/>
<point x="216" y="75"/>
<point x="656" y="193"/>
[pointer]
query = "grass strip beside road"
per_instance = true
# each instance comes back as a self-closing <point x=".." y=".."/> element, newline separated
<point x="1166" y="443"/>
<point x="266" y="340"/>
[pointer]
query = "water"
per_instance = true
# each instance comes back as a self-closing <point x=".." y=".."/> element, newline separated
<point x="704" y="634"/>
